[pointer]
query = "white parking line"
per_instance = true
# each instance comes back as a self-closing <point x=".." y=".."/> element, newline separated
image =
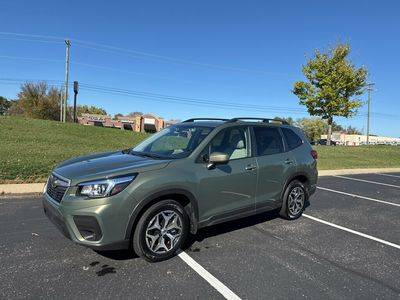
<point x="368" y="181"/>
<point x="357" y="196"/>
<point x="354" y="232"/>
<point x="390" y="175"/>
<point x="214" y="282"/>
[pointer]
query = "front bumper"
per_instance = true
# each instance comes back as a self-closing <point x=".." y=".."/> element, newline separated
<point x="100" y="226"/>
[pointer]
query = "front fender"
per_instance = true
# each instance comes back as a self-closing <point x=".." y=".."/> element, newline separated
<point x="192" y="211"/>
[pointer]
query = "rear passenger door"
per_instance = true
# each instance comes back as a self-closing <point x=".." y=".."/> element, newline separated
<point x="275" y="164"/>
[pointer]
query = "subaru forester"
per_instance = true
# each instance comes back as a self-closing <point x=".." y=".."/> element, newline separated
<point x="188" y="176"/>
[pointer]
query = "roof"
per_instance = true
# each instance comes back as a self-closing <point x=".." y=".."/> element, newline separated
<point x="202" y="123"/>
<point x="247" y="120"/>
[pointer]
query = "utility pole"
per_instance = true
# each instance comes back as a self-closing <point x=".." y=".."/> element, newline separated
<point x="61" y="103"/>
<point x="68" y="43"/>
<point x="76" y="87"/>
<point x="369" y="89"/>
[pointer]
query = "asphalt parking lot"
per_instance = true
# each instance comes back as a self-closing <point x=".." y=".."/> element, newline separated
<point x="347" y="245"/>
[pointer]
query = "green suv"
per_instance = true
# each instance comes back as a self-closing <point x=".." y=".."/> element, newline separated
<point x="190" y="175"/>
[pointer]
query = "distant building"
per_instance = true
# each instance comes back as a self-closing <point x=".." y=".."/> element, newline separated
<point x="93" y="119"/>
<point x="138" y="123"/>
<point x="130" y="122"/>
<point x="171" y="122"/>
<point x="342" y="138"/>
<point x="151" y="123"/>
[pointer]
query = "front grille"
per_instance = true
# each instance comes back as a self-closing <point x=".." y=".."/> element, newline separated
<point x="56" y="188"/>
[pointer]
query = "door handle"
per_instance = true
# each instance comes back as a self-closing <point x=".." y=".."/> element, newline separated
<point x="288" y="161"/>
<point x="250" y="167"/>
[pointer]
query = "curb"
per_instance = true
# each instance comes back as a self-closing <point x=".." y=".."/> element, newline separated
<point x="21" y="188"/>
<point x="30" y="188"/>
<point x="323" y="173"/>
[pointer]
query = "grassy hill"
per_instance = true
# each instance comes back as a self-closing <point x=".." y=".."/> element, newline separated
<point x="342" y="157"/>
<point x="30" y="148"/>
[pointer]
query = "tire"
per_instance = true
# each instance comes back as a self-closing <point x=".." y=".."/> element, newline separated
<point x="152" y="240"/>
<point x="288" y="210"/>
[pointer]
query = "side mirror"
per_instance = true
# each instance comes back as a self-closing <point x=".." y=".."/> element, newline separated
<point x="217" y="158"/>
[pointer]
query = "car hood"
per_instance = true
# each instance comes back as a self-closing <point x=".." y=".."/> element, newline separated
<point x="105" y="165"/>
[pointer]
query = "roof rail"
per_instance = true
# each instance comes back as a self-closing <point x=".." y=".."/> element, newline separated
<point x="264" y="120"/>
<point x="204" y="119"/>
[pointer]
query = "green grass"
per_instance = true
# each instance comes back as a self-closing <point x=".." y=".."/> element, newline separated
<point x="30" y="148"/>
<point x="341" y="157"/>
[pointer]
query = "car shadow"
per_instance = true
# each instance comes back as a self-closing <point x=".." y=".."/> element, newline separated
<point x="231" y="226"/>
<point x="117" y="254"/>
<point x="205" y="233"/>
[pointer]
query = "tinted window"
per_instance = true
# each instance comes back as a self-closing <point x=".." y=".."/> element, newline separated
<point x="292" y="139"/>
<point x="231" y="141"/>
<point x="268" y="140"/>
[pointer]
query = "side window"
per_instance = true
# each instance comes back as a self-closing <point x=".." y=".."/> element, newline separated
<point x="292" y="139"/>
<point x="268" y="140"/>
<point x="232" y="141"/>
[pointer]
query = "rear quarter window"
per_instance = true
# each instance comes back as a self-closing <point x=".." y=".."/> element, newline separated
<point x="268" y="140"/>
<point x="292" y="139"/>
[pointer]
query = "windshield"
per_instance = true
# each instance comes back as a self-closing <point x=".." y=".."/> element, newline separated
<point x="177" y="141"/>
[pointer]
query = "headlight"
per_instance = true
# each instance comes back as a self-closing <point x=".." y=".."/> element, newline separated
<point x="104" y="188"/>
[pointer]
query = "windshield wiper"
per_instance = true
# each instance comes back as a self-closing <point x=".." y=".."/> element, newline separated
<point x="146" y="154"/>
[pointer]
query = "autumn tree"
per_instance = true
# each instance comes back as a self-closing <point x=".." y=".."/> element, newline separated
<point x="333" y="85"/>
<point x="289" y="120"/>
<point x="86" y="109"/>
<point x="37" y="100"/>
<point x="312" y="127"/>
<point x="135" y="113"/>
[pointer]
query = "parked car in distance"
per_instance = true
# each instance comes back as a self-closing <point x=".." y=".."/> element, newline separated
<point x="323" y="142"/>
<point x="188" y="176"/>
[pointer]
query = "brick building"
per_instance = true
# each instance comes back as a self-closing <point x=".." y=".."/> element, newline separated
<point x="139" y="123"/>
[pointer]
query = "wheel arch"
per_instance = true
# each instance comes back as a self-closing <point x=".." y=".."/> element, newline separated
<point x="300" y="176"/>
<point x="184" y="197"/>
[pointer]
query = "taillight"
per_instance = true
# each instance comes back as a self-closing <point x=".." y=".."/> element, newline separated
<point x="314" y="154"/>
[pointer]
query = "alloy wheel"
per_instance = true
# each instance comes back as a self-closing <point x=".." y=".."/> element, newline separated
<point x="296" y="200"/>
<point x="163" y="231"/>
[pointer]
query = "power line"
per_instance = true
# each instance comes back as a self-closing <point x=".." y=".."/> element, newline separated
<point x="30" y="58"/>
<point x="183" y="100"/>
<point x="106" y="69"/>
<point x="36" y="36"/>
<point x="28" y="40"/>
<point x="168" y="98"/>
<point x="135" y="53"/>
<point x="139" y="54"/>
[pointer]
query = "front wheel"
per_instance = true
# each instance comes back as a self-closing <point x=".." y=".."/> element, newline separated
<point x="161" y="231"/>
<point x="294" y="199"/>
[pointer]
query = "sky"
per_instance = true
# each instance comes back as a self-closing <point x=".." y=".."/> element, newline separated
<point x="183" y="59"/>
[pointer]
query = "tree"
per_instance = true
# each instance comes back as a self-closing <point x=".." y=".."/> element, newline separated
<point x="337" y="127"/>
<point x="116" y="116"/>
<point x="312" y="127"/>
<point x="85" y="109"/>
<point x="135" y="113"/>
<point x="37" y="100"/>
<point x="289" y="119"/>
<point x="333" y="85"/>
<point x="352" y="130"/>
<point x="4" y="106"/>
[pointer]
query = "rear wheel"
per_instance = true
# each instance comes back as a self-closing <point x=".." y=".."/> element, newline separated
<point x="294" y="199"/>
<point x="161" y="231"/>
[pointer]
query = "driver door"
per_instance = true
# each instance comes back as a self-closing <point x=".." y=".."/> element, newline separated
<point x="228" y="189"/>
